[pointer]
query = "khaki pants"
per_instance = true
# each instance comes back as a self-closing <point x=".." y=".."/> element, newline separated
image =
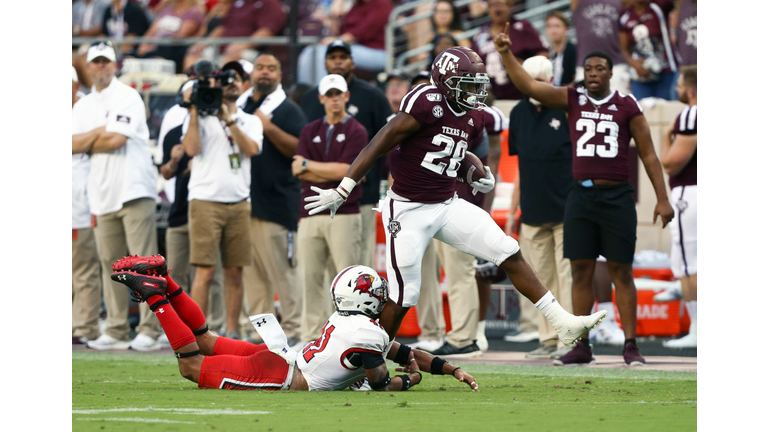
<point x="463" y="298"/>
<point x="368" y="244"/>
<point x="320" y="237"/>
<point x="270" y="270"/>
<point x="130" y="230"/>
<point x="543" y="248"/>
<point x="177" y="248"/>
<point x="86" y="284"/>
<point x="430" y="307"/>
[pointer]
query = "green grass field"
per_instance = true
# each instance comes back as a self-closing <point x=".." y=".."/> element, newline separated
<point x="127" y="392"/>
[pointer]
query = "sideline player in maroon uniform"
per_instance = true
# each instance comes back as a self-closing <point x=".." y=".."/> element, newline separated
<point x="600" y="215"/>
<point x="433" y="127"/>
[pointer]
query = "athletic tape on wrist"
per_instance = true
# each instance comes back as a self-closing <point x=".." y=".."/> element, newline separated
<point x="345" y="187"/>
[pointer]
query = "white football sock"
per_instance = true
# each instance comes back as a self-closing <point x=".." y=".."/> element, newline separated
<point x="691" y="305"/>
<point x="548" y="303"/>
<point x="480" y="328"/>
<point x="608" y="307"/>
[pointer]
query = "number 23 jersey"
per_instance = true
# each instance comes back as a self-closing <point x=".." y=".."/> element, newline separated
<point x="600" y="134"/>
<point x="333" y="361"/>
<point x="424" y="165"/>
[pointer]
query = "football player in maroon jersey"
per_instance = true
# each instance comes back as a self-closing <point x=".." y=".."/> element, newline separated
<point x="600" y="214"/>
<point x="433" y="126"/>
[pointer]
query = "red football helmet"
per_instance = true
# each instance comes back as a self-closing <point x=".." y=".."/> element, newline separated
<point x="460" y="75"/>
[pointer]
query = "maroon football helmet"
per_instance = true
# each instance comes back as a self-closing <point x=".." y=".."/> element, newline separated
<point x="460" y="75"/>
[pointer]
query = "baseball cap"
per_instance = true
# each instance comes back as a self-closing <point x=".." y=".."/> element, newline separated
<point x="397" y="74"/>
<point x="247" y="66"/>
<point x="74" y="75"/>
<point x="101" y="49"/>
<point x="332" y="81"/>
<point x="422" y="75"/>
<point x="338" y="44"/>
<point x="237" y="67"/>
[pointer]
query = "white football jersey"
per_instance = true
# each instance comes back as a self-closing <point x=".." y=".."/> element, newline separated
<point x="333" y="362"/>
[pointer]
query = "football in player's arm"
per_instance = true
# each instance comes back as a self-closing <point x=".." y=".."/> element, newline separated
<point x="597" y="74"/>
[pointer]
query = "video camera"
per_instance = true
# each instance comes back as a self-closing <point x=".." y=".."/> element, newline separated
<point x="208" y="98"/>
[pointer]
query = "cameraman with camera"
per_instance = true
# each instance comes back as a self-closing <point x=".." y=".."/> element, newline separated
<point x="220" y="138"/>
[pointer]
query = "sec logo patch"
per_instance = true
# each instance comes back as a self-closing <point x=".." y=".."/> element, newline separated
<point x="437" y="111"/>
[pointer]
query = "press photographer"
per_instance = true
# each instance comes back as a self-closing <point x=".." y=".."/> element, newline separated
<point x="221" y="145"/>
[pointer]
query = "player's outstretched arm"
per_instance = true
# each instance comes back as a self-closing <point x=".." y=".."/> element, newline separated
<point x="547" y="94"/>
<point x="402" y="355"/>
<point x="638" y="128"/>
<point x="379" y="379"/>
<point x="397" y="130"/>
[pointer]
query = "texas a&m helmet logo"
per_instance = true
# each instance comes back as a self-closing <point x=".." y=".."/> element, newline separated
<point x="447" y="63"/>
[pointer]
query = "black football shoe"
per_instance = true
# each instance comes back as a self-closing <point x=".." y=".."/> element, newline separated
<point x="142" y="286"/>
<point x="154" y="265"/>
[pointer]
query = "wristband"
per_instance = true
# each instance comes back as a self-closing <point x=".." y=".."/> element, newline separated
<point x="406" y="382"/>
<point x="345" y="187"/>
<point x="421" y="377"/>
<point x="436" y="368"/>
<point x="454" y="371"/>
<point x="402" y="354"/>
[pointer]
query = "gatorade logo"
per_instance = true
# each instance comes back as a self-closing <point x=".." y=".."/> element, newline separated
<point x="653" y="311"/>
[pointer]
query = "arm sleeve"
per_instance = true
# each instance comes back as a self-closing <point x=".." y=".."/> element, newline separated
<point x="127" y="117"/>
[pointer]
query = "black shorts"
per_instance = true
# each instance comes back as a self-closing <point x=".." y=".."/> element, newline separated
<point x="600" y="220"/>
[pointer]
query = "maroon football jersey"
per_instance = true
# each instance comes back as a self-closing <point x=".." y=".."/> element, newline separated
<point x="685" y="124"/>
<point x="600" y="134"/>
<point x="424" y="166"/>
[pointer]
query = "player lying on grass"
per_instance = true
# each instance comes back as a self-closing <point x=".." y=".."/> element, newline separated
<point x="352" y="348"/>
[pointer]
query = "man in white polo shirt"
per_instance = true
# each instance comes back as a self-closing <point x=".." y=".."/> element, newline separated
<point x="221" y="146"/>
<point x="110" y="124"/>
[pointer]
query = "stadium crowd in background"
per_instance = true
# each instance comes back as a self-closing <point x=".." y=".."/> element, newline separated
<point x="647" y="41"/>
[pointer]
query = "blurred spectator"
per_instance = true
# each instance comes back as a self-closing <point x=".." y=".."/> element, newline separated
<point x="446" y="19"/>
<point x="395" y="87"/>
<point x="327" y="147"/>
<point x="87" y="17"/>
<point x="597" y="29"/>
<point x="645" y="46"/>
<point x="682" y="32"/>
<point x="124" y="19"/>
<point x="248" y="19"/>
<point x="110" y="124"/>
<point x="177" y="19"/>
<point x="275" y="200"/>
<point x="561" y="51"/>
<point x="363" y="29"/>
<point x="526" y="42"/>
<point x="221" y="147"/>
<point x="539" y="136"/>
<point x="296" y="92"/>
<point x="440" y="43"/>
<point x="86" y="271"/>
<point x="369" y="106"/>
<point x="212" y="21"/>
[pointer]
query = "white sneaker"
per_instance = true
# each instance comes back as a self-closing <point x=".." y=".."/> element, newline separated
<point x="482" y="343"/>
<point x="607" y="333"/>
<point x="670" y="294"/>
<point x="569" y="327"/>
<point x="428" y="345"/>
<point x="361" y="385"/>
<point x="688" y="341"/>
<point x="522" y="337"/>
<point x="107" y="342"/>
<point x="143" y="342"/>
<point x="163" y="341"/>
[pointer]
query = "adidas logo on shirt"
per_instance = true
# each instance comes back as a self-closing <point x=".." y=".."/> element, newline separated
<point x="316" y="139"/>
<point x="612" y="108"/>
<point x="471" y="123"/>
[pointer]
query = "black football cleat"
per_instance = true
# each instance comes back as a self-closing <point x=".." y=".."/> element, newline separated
<point x="142" y="286"/>
<point x="154" y="265"/>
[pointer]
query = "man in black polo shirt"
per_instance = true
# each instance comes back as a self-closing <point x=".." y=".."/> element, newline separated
<point x="369" y="106"/>
<point x="539" y="136"/>
<point x="275" y="199"/>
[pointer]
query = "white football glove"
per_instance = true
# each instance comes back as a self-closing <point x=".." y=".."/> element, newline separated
<point x="484" y="185"/>
<point x="324" y="200"/>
